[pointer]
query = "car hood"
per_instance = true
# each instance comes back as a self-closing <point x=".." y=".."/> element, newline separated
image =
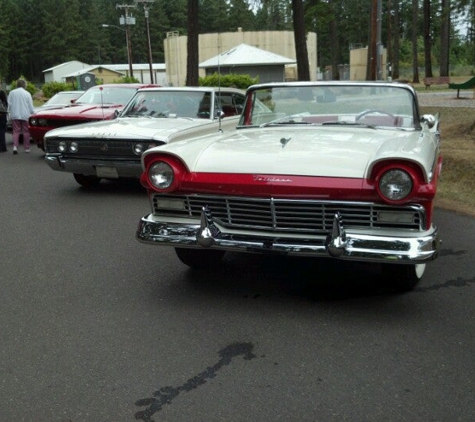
<point x="326" y="151"/>
<point x="160" y="129"/>
<point x="86" y="111"/>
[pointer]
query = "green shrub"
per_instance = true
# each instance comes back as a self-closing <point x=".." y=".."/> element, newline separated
<point x="231" y="80"/>
<point x="51" y="88"/>
<point x="126" y="80"/>
<point x="30" y="87"/>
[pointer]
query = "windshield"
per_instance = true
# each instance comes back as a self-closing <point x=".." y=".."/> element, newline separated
<point x="164" y="103"/>
<point x="319" y="104"/>
<point x="106" y="95"/>
<point x="63" y="98"/>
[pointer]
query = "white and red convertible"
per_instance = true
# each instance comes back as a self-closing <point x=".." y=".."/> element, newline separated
<point x="346" y="170"/>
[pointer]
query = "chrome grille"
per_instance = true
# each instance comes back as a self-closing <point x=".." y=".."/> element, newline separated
<point x="97" y="148"/>
<point x="67" y="122"/>
<point x="284" y="215"/>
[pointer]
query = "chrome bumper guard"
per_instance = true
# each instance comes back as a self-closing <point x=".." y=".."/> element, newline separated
<point x="340" y="243"/>
<point x="125" y="168"/>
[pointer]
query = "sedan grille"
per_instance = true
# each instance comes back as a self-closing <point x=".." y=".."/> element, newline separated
<point x="286" y="215"/>
<point x="97" y="148"/>
<point x="67" y="122"/>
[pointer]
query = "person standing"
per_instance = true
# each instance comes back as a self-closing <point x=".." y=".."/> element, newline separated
<point x="3" y="120"/>
<point x="20" y="107"/>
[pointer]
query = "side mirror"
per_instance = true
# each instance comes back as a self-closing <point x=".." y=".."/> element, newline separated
<point x="429" y="120"/>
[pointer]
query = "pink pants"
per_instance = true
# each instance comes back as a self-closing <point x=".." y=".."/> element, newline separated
<point x="18" y="127"/>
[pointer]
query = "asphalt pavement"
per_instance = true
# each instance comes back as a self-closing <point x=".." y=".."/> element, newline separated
<point x="96" y="326"/>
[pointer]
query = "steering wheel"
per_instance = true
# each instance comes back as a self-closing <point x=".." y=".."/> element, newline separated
<point x="373" y="111"/>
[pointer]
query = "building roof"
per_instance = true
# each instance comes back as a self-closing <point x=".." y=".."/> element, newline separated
<point x="244" y="55"/>
<point x="90" y="69"/>
<point x="65" y="64"/>
<point x="135" y="66"/>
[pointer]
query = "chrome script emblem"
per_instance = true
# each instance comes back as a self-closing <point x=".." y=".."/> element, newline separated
<point x="271" y="179"/>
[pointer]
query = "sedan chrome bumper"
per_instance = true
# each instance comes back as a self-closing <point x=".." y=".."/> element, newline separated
<point x="93" y="167"/>
<point x="340" y="243"/>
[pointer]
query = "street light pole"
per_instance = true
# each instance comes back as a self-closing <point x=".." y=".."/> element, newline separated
<point x="129" y="48"/>
<point x="150" y="62"/>
<point x="127" y="21"/>
<point x="149" y="44"/>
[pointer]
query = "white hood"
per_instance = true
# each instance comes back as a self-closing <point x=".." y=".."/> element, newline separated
<point x="131" y="128"/>
<point x="328" y="151"/>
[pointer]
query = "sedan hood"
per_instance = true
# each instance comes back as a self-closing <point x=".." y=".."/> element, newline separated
<point x="86" y="111"/>
<point x="160" y="129"/>
<point x="325" y="151"/>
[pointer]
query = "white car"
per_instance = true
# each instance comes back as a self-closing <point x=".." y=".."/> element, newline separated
<point x="344" y="170"/>
<point x="112" y="149"/>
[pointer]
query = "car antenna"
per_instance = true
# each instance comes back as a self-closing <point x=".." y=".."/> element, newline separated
<point x="219" y="91"/>
<point x="101" y="88"/>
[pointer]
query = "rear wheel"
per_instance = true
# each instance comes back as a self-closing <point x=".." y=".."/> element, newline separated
<point x="86" y="181"/>
<point x="404" y="277"/>
<point x="199" y="258"/>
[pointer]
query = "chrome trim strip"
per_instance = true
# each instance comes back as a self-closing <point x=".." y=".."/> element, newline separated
<point x="125" y="168"/>
<point x="343" y="244"/>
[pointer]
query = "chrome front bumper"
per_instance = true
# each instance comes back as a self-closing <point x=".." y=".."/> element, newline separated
<point x="124" y="168"/>
<point x="341" y="243"/>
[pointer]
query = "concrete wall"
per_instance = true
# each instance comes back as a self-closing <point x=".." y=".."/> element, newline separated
<point x="210" y="45"/>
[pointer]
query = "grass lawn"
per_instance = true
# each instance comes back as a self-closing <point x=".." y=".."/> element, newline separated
<point x="456" y="189"/>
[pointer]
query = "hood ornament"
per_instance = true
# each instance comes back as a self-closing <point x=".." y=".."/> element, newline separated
<point x="284" y="141"/>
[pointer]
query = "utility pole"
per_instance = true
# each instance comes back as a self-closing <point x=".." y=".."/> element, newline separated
<point x="127" y="21"/>
<point x="149" y="44"/>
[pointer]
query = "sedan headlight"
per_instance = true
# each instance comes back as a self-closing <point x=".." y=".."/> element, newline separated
<point x="161" y="175"/>
<point x="38" y="122"/>
<point x="62" y="146"/>
<point x="395" y="185"/>
<point x="138" y="149"/>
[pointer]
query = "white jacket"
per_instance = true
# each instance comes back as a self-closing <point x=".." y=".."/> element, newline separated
<point x="20" y="104"/>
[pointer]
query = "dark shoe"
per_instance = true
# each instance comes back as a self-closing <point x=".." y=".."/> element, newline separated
<point x="15" y="151"/>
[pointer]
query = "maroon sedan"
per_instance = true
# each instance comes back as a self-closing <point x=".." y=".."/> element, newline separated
<point x="102" y="102"/>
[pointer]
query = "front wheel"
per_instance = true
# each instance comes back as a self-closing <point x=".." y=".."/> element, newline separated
<point x="199" y="258"/>
<point x="86" y="181"/>
<point x="403" y="277"/>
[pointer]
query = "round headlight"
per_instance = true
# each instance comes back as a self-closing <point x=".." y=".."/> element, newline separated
<point x="42" y="122"/>
<point x="138" y="149"/>
<point x="395" y="185"/>
<point x="33" y="121"/>
<point x="161" y="175"/>
<point x="73" y="147"/>
<point x="62" y="146"/>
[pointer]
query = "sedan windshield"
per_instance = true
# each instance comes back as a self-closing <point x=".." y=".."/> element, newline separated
<point x="106" y="95"/>
<point x="164" y="103"/>
<point x="360" y="106"/>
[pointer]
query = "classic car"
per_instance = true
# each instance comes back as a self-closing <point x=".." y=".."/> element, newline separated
<point x="154" y="116"/>
<point x="59" y="100"/>
<point x="101" y="102"/>
<point x="345" y="170"/>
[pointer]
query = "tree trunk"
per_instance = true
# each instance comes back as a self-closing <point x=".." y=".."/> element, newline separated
<point x="415" y="62"/>
<point x="192" y="74"/>
<point x="372" y="47"/>
<point x="335" y="45"/>
<point x="395" y="62"/>
<point x="303" y="69"/>
<point x="427" y="40"/>
<point x="445" y="38"/>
